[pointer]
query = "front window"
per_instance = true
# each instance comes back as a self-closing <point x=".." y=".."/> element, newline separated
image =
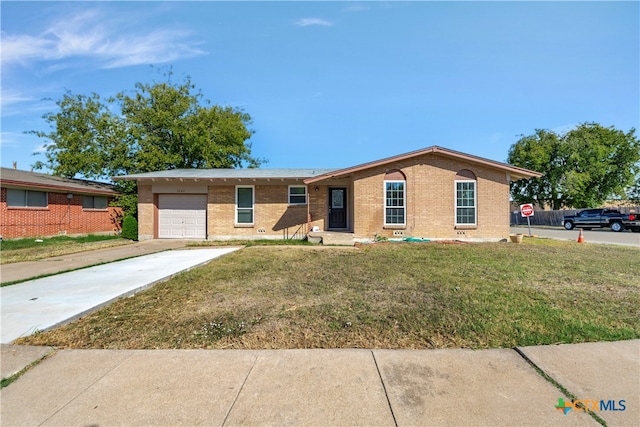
<point x="465" y="202"/>
<point x="394" y="195"/>
<point x="26" y="198"/>
<point x="94" y="202"/>
<point x="297" y="195"/>
<point x="244" y="205"/>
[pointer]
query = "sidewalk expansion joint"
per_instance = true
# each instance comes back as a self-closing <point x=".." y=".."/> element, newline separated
<point x="85" y="389"/>
<point x="6" y="382"/>
<point x="568" y="394"/>
<point x="384" y="387"/>
<point x="235" y="399"/>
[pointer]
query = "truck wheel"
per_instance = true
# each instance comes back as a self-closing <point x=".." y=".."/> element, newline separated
<point x="616" y="226"/>
<point x="568" y="225"/>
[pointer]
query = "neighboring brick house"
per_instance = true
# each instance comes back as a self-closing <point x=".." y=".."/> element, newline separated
<point x="38" y="205"/>
<point x="431" y="193"/>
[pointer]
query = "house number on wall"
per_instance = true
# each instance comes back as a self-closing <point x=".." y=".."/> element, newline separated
<point x="180" y="190"/>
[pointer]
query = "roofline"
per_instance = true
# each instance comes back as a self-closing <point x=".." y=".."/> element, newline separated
<point x="519" y="172"/>
<point x="145" y="175"/>
<point x="63" y="188"/>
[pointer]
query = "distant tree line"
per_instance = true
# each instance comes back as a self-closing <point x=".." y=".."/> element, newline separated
<point x="582" y="167"/>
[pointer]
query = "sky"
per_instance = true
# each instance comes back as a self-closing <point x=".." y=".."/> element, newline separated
<point x="334" y="84"/>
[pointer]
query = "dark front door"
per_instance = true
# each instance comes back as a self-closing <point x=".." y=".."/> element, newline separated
<point x="337" y="208"/>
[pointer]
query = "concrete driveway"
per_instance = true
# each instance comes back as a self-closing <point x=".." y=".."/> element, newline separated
<point x="42" y="304"/>
<point x="58" y="264"/>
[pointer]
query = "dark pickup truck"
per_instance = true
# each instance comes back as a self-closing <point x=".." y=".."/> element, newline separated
<point x="599" y="218"/>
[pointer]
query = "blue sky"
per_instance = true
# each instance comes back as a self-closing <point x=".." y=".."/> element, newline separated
<point x="335" y="84"/>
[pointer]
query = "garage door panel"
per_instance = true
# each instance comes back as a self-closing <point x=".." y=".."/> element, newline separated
<point x="182" y="216"/>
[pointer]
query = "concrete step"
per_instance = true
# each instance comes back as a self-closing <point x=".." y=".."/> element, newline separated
<point x="332" y="238"/>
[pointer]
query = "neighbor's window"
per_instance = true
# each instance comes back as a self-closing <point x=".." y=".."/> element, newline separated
<point x="244" y="205"/>
<point x="394" y="196"/>
<point x="94" y="202"/>
<point x="465" y="202"/>
<point x="26" y="198"/>
<point x="297" y="195"/>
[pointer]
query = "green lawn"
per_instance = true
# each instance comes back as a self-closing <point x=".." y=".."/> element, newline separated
<point x="425" y="295"/>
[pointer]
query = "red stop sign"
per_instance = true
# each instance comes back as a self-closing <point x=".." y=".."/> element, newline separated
<point x="526" y="210"/>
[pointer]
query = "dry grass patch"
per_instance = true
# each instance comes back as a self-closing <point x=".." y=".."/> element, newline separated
<point x="30" y="250"/>
<point x="380" y="296"/>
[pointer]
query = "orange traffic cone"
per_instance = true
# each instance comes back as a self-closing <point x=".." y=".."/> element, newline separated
<point x="581" y="237"/>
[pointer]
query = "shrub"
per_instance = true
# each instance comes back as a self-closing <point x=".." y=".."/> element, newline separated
<point x="130" y="228"/>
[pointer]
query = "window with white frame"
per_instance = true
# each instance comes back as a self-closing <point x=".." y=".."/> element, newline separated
<point x="94" y="202"/>
<point x="26" y="198"/>
<point x="297" y="195"/>
<point x="466" y="202"/>
<point x="394" y="202"/>
<point x="244" y="204"/>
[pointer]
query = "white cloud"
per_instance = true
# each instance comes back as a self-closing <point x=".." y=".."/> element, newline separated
<point x="12" y="139"/>
<point x="154" y="48"/>
<point x="10" y="97"/>
<point x="91" y="35"/>
<point x="306" y="22"/>
<point x="13" y="102"/>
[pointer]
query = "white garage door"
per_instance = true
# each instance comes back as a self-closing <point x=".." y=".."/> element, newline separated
<point x="182" y="216"/>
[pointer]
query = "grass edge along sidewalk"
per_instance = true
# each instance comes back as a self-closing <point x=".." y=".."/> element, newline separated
<point x="33" y="249"/>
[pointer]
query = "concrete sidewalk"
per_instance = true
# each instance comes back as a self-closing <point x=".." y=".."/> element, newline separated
<point x="54" y="265"/>
<point x="322" y="387"/>
<point x="45" y="303"/>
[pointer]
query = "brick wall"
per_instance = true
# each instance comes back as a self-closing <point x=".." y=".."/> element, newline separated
<point x="146" y="213"/>
<point x="430" y="204"/>
<point x="61" y="216"/>
<point x="273" y="216"/>
<point x="318" y="205"/>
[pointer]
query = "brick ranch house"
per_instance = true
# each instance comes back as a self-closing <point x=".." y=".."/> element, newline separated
<point x="38" y="205"/>
<point x="431" y="193"/>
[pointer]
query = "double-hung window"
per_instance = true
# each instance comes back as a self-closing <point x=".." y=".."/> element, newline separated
<point x="244" y="205"/>
<point x="465" y="202"/>
<point x="297" y="195"/>
<point x="394" y="202"/>
<point x="26" y="198"/>
<point x="94" y="202"/>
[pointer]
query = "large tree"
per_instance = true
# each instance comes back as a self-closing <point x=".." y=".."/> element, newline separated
<point x="158" y="126"/>
<point x="582" y="167"/>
